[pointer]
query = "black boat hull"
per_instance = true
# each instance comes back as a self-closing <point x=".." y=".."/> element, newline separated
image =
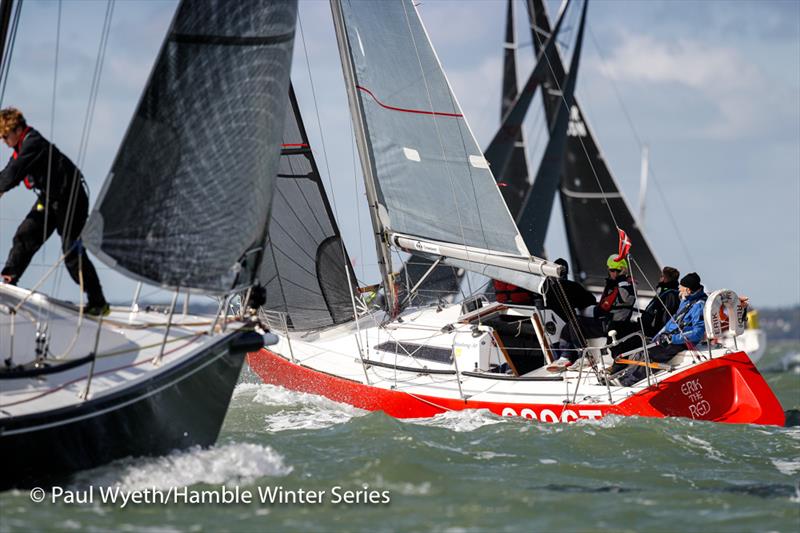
<point x="176" y="409"/>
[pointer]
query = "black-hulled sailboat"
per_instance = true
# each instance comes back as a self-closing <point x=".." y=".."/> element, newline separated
<point x="186" y="206"/>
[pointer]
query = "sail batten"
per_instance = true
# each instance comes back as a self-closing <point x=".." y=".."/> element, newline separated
<point x="187" y="201"/>
<point x="431" y="178"/>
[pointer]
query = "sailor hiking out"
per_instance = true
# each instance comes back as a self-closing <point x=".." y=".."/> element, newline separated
<point x="62" y="205"/>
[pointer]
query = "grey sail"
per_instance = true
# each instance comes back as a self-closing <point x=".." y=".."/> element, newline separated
<point x="432" y="181"/>
<point x="304" y="268"/>
<point x="188" y="198"/>
<point x="591" y="231"/>
<point x="512" y="176"/>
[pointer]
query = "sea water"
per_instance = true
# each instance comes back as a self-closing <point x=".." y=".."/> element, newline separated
<point x="288" y="461"/>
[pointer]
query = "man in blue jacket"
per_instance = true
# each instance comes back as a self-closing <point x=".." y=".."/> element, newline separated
<point x="685" y="329"/>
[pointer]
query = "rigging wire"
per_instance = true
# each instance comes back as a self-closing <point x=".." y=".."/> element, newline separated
<point x="641" y="144"/>
<point x="87" y="127"/>
<point x="52" y="133"/>
<point x="6" y="59"/>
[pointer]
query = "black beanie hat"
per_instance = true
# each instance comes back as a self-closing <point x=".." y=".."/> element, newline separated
<point x="691" y="281"/>
<point x="563" y="262"/>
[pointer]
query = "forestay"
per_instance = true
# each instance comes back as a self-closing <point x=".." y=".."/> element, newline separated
<point x="304" y="269"/>
<point x="188" y="198"/>
<point x="591" y="231"/>
<point x="432" y="181"/>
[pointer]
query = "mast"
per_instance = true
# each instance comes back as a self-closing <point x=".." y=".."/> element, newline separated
<point x="643" y="183"/>
<point x="360" y="126"/>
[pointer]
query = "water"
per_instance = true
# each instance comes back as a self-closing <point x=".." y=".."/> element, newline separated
<point x="466" y="471"/>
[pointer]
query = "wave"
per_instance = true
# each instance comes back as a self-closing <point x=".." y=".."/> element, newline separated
<point x="230" y="464"/>
<point x="297" y="410"/>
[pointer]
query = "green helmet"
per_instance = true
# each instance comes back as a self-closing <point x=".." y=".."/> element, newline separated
<point x="612" y="262"/>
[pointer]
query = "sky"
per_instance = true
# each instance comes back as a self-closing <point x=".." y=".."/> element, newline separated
<point x="711" y="87"/>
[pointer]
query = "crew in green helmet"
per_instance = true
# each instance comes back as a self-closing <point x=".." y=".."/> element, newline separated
<point x="613" y="264"/>
<point x="613" y="311"/>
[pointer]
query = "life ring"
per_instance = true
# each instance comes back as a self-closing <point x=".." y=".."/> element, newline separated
<point x="720" y="307"/>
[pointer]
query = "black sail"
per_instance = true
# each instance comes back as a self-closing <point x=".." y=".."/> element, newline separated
<point x="513" y="177"/>
<point x="304" y="269"/>
<point x="590" y="229"/>
<point x="188" y="198"/>
<point x="534" y="217"/>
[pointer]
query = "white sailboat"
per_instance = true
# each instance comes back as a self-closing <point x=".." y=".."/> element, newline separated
<point x="431" y="192"/>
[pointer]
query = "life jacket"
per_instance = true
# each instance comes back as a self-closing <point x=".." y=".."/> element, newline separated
<point x="508" y="293"/>
<point x="28" y="181"/>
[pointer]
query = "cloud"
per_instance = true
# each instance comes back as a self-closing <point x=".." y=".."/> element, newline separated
<point x="731" y="85"/>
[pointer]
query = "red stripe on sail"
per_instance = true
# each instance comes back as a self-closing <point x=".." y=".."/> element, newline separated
<point x="404" y="110"/>
<point x="294" y="145"/>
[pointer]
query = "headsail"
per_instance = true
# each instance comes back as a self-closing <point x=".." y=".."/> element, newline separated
<point x="304" y="268"/>
<point x="433" y="183"/>
<point x="590" y="229"/>
<point x="187" y="201"/>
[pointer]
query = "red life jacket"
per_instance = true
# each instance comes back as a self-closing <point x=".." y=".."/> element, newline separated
<point x="508" y="293"/>
<point x="28" y="182"/>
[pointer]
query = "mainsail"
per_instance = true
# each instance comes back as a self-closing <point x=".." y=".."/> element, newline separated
<point x="591" y="231"/>
<point x="304" y="269"/>
<point x="188" y="198"/>
<point x="434" y="190"/>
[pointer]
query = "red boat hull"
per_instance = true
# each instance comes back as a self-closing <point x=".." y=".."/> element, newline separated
<point x="727" y="389"/>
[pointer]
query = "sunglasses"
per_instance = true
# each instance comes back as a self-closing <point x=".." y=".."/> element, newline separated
<point x="614" y="270"/>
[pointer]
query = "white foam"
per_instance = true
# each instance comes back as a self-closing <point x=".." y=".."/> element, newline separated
<point x="548" y="461"/>
<point x="466" y="420"/>
<point x="299" y="410"/>
<point x="238" y="463"/>
<point x="307" y="418"/>
<point x="403" y="488"/>
<point x="789" y="468"/>
<point x="690" y="441"/>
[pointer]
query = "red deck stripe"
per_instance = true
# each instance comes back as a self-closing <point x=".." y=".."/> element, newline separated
<point x="294" y="145"/>
<point x="404" y="110"/>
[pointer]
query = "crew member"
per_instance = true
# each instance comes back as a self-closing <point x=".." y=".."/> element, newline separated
<point x="62" y="205"/>
<point x="685" y="329"/>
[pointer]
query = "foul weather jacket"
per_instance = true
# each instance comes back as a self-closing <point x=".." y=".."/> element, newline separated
<point x="688" y="320"/>
<point x="33" y="157"/>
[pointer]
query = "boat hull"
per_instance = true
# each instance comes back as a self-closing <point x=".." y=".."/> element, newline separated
<point x="725" y="389"/>
<point x="176" y="409"/>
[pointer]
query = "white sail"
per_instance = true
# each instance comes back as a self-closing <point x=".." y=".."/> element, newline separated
<point x="434" y="189"/>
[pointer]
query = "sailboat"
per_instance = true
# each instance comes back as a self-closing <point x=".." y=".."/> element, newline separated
<point x="431" y="192"/>
<point x="592" y="203"/>
<point x="79" y="391"/>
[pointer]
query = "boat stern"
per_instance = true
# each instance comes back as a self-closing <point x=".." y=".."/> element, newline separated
<point x="725" y="389"/>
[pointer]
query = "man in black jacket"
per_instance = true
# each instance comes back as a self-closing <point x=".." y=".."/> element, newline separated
<point x="664" y="305"/>
<point x="62" y="205"/>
